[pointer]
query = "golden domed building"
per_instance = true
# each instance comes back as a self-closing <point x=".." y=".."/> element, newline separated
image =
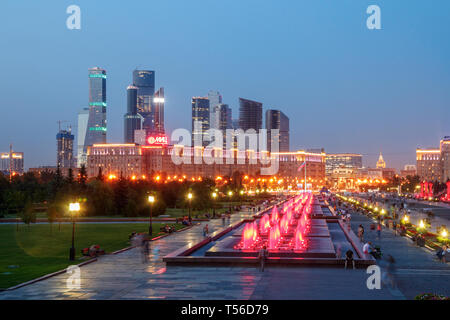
<point x="381" y="164"/>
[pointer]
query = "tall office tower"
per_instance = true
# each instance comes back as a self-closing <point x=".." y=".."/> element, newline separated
<point x="445" y="158"/>
<point x="200" y="114"/>
<point x="64" y="145"/>
<point x="158" y="111"/>
<point x="96" y="128"/>
<point x="11" y="162"/>
<point x="250" y="114"/>
<point x="83" y="117"/>
<point x="223" y="114"/>
<point x="132" y="121"/>
<point x="144" y="80"/>
<point x="223" y="118"/>
<point x="275" y="119"/>
<point x="250" y="117"/>
<point x="214" y="100"/>
<point x="235" y="124"/>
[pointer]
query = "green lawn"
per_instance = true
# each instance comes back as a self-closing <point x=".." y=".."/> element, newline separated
<point x="37" y="251"/>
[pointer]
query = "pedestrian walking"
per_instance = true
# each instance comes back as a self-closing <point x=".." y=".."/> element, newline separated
<point x="361" y="233"/>
<point x="338" y="251"/>
<point x="205" y="230"/>
<point x="223" y="218"/>
<point x="390" y="272"/>
<point x="379" y="230"/>
<point x="349" y="259"/>
<point x="145" y="249"/>
<point x="262" y="258"/>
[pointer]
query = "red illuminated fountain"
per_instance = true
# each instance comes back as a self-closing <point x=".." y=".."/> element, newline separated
<point x="274" y="237"/>
<point x="284" y="224"/>
<point x="249" y="236"/>
<point x="274" y="216"/>
<point x="300" y="243"/>
<point x="264" y="224"/>
<point x="280" y="233"/>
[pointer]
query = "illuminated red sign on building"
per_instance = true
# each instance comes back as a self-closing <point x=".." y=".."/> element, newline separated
<point x="159" y="140"/>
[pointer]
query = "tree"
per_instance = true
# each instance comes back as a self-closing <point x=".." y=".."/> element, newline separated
<point x="100" y="176"/>
<point x="28" y="215"/>
<point x="83" y="177"/>
<point x="100" y="199"/>
<point x="70" y="176"/>
<point x="121" y="195"/>
<point x="53" y="214"/>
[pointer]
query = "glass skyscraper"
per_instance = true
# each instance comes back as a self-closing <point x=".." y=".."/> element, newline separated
<point x="83" y="117"/>
<point x="150" y="104"/>
<point x="132" y="120"/>
<point x="64" y="144"/>
<point x="250" y="114"/>
<point x="96" y="127"/>
<point x="275" y="119"/>
<point x="214" y="100"/>
<point x="200" y="114"/>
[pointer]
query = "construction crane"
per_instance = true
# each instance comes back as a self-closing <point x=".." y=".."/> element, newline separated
<point x="59" y="124"/>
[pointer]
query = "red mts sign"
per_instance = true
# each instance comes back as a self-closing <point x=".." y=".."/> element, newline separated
<point x="157" y="140"/>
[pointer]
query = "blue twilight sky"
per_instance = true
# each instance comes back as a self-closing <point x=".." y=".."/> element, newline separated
<point x="344" y="87"/>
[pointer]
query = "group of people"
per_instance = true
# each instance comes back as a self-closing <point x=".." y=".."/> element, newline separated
<point x="141" y="241"/>
<point x="226" y="216"/>
<point x="168" y="229"/>
<point x="442" y="253"/>
<point x="184" y="221"/>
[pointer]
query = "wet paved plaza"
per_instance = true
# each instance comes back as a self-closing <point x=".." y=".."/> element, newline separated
<point x="125" y="276"/>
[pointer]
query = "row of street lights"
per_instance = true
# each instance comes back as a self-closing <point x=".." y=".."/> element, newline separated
<point x="74" y="208"/>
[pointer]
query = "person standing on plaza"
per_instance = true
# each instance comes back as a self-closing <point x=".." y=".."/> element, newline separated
<point x="145" y="248"/>
<point x="361" y="233"/>
<point x="379" y="230"/>
<point x="262" y="254"/>
<point x="349" y="259"/>
<point x="390" y="271"/>
<point x="205" y="230"/>
<point x="223" y="218"/>
<point x="394" y="227"/>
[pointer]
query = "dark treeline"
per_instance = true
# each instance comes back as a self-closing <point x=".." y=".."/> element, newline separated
<point x="99" y="196"/>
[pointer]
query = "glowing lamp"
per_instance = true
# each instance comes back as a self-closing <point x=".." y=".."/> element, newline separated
<point x="189" y="196"/>
<point x="74" y="207"/>
<point x="444" y="233"/>
<point x="151" y="199"/>
<point x="421" y="224"/>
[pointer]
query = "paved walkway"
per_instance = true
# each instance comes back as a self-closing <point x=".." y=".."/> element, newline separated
<point x="124" y="276"/>
<point x="418" y="269"/>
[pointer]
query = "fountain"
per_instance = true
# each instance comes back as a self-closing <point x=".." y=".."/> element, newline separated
<point x="264" y="224"/>
<point x="274" y="237"/>
<point x="284" y="224"/>
<point x="274" y="216"/>
<point x="249" y="236"/>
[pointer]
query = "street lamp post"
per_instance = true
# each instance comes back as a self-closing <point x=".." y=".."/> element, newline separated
<point x="230" y="194"/>
<point x="214" y="196"/>
<point x="73" y="208"/>
<point x="151" y="200"/>
<point x="242" y="194"/>
<point x="190" y="199"/>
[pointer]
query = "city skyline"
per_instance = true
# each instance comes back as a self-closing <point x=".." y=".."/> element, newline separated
<point x="363" y="99"/>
